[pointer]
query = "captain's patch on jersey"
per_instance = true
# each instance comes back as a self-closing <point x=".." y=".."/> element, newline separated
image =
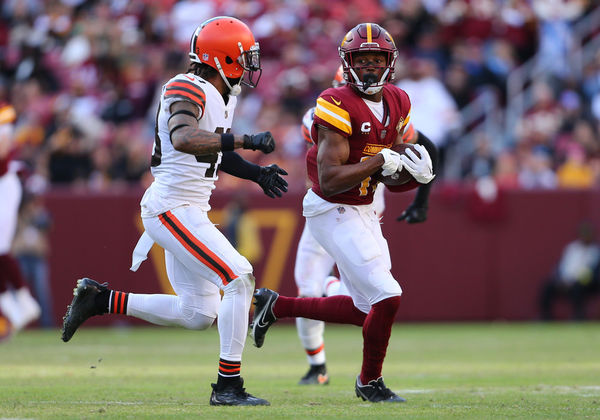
<point x="187" y="91"/>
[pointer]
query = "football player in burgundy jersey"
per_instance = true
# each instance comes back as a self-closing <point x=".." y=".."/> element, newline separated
<point x="16" y="302"/>
<point x="313" y="266"/>
<point x="193" y="143"/>
<point x="354" y="128"/>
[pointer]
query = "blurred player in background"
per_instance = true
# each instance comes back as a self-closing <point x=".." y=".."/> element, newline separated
<point x="354" y="127"/>
<point x="192" y="143"/>
<point x="314" y="265"/>
<point x="16" y="302"/>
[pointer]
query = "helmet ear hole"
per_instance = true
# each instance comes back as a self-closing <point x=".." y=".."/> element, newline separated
<point x="228" y="60"/>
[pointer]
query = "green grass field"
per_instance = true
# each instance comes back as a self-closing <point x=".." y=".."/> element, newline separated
<point x="446" y="371"/>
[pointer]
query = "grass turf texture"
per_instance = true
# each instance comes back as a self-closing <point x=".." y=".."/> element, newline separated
<point x="446" y="371"/>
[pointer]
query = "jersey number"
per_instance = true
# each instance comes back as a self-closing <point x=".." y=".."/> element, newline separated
<point x="364" y="185"/>
<point x="212" y="158"/>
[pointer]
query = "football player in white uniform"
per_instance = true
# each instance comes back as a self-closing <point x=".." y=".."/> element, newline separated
<point x="193" y="142"/>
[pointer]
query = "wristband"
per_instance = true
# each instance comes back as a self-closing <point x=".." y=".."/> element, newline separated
<point x="227" y="142"/>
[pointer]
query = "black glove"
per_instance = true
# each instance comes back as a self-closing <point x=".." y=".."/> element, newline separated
<point x="261" y="141"/>
<point x="414" y="214"/>
<point x="270" y="181"/>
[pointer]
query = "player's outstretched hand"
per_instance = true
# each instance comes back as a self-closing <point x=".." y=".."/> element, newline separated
<point x="414" y="214"/>
<point x="261" y="141"/>
<point x="271" y="182"/>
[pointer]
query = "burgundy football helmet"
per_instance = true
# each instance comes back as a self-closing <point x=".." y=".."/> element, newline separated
<point x="367" y="37"/>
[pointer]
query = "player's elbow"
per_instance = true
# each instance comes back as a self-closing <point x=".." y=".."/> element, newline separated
<point x="179" y="141"/>
<point x="326" y="191"/>
<point x="329" y="188"/>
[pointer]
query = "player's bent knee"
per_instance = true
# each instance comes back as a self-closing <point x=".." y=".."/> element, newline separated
<point x="244" y="284"/>
<point x="194" y="319"/>
<point x="199" y="321"/>
<point x="382" y="278"/>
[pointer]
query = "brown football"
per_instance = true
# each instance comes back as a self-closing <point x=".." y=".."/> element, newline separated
<point x="401" y="177"/>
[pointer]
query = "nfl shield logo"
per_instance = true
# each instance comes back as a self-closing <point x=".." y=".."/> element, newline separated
<point x="205" y="57"/>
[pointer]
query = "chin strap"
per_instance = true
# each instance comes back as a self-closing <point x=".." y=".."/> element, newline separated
<point x="366" y="88"/>
<point x="234" y="90"/>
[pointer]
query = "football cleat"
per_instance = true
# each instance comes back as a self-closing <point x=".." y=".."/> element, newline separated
<point x="376" y="391"/>
<point x="263" y="318"/>
<point x="82" y="307"/>
<point x="234" y="395"/>
<point x="316" y="375"/>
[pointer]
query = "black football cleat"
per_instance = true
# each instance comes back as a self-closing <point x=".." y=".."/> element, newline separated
<point x="376" y="391"/>
<point x="263" y="318"/>
<point x="82" y="307"/>
<point x="316" y="375"/>
<point x="234" y="394"/>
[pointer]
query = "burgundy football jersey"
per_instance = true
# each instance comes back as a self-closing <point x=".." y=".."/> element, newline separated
<point x="343" y="111"/>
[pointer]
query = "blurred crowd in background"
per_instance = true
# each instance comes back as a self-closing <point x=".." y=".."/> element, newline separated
<point x="85" y="77"/>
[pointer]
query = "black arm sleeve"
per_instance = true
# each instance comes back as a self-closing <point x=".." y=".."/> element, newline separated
<point x="423" y="191"/>
<point x="235" y="165"/>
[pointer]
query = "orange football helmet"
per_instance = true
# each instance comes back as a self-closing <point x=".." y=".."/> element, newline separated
<point x="367" y="37"/>
<point x="338" y="79"/>
<point x="227" y="45"/>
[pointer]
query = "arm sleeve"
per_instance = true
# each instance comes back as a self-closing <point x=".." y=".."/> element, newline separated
<point x="422" y="196"/>
<point x="235" y="165"/>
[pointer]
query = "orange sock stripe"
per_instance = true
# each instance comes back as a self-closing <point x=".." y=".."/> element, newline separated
<point x="329" y="283"/>
<point x="197" y="248"/>
<point x="123" y="302"/>
<point x="230" y="364"/>
<point x="118" y="304"/>
<point x="315" y="351"/>
<point x="236" y="370"/>
<point x="114" y="301"/>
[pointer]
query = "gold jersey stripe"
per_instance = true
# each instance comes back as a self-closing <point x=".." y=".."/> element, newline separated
<point x="406" y="121"/>
<point x="334" y="115"/>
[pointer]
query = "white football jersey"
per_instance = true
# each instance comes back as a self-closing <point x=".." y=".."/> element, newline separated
<point x="181" y="178"/>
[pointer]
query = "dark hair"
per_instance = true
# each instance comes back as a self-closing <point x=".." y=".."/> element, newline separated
<point x="203" y="70"/>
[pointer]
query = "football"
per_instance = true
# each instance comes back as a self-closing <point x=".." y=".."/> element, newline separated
<point x="401" y="177"/>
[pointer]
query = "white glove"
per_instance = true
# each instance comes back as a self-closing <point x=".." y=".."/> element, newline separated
<point x="420" y="168"/>
<point x="391" y="162"/>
